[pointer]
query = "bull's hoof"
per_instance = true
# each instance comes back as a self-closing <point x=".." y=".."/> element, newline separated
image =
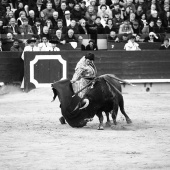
<point x="62" y="120"/>
<point x="128" y="121"/>
<point x="100" y="128"/>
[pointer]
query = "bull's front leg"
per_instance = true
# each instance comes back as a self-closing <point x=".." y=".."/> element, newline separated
<point x="100" y="116"/>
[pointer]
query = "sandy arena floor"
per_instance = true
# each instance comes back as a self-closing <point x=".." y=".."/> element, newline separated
<point x="32" y="138"/>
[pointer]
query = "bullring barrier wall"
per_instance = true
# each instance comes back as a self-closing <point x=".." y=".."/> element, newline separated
<point x="43" y="68"/>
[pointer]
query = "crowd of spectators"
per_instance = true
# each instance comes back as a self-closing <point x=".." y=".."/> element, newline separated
<point x="62" y="21"/>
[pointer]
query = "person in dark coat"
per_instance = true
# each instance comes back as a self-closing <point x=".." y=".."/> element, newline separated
<point x="91" y="46"/>
<point x="82" y="27"/>
<point x="20" y="8"/>
<point x="37" y="29"/>
<point x="76" y="13"/>
<point x="70" y="37"/>
<point x="165" y="45"/>
<point x="16" y="47"/>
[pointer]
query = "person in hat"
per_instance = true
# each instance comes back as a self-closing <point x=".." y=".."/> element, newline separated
<point x="131" y="45"/>
<point x="91" y="46"/>
<point x="85" y="71"/>
<point x="165" y="45"/>
<point x="67" y="19"/>
<point x="53" y="45"/>
<point x="30" y="47"/>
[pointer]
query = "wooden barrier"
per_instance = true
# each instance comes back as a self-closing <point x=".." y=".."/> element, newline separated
<point x="44" y="68"/>
<point x="11" y="67"/>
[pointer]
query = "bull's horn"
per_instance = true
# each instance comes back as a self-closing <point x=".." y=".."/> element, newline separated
<point x="86" y="101"/>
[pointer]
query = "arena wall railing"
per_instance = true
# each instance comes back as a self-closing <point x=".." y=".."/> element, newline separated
<point x="41" y="69"/>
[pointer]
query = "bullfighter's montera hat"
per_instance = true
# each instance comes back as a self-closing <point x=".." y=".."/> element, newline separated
<point x="90" y="56"/>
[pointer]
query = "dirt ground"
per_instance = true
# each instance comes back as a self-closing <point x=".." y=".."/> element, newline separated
<point x="32" y="138"/>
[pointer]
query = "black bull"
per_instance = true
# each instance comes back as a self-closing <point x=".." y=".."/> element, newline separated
<point x="104" y="94"/>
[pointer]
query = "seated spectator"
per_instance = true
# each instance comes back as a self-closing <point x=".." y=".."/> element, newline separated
<point x="91" y="46"/>
<point x="112" y="37"/>
<point x="76" y="13"/>
<point x="89" y="13"/>
<point x="139" y="12"/>
<point x="80" y="40"/>
<point x="126" y="12"/>
<point x="61" y="10"/>
<point x="165" y="45"/>
<point x="73" y="26"/>
<point x="54" y="19"/>
<point x="154" y="16"/>
<point x="67" y="19"/>
<point x="31" y="18"/>
<point x="138" y="38"/>
<point x="83" y="8"/>
<point x="44" y="45"/>
<point x="37" y="8"/>
<point x="2" y="30"/>
<point x="129" y="4"/>
<point x="70" y="6"/>
<point x="117" y="21"/>
<point x="16" y="47"/>
<point x="103" y="11"/>
<point x="104" y="19"/>
<point x="49" y="24"/>
<point x="136" y="28"/>
<point x="1" y="48"/>
<point x="59" y="38"/>
<point x="93" y="3"/>
<point x="82" y="27"/>
<point x="151" y="26"/>
<point x="159" y="28"/>
<point x="152" y="38"/>
<point x="125" y="28"/>
<point x="18" y="11"/>
<point x="60" y="26"/>
<point x="45" y="33"/>
<point x="99" y="26"/>
<point x="8" y="42"/>
<point x="37" y="29"/>
<point x="132" y="18"/>
<point x="116" y="9"/>
<point x="8" y="17"/>
<point x="25" y="28"/>
<point x="70" y="37"/>
<point x="12" y="27"/>
<point x="131" y="45"/>
<point x="109" y="26"/>
<point x="22" y="16"/>
<point x="108" y="11"/>
<point x="48" y="12"/>
<point x="124" y="38"/>
<point x="53" y="46"/>
<point x="165" y="17"/>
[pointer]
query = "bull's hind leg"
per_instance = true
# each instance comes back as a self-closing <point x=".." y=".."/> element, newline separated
<point x="121" y="105"/>
<point x="114" y="113"/>
<point x="108" y="123"/>
<point x="100" y="116"/>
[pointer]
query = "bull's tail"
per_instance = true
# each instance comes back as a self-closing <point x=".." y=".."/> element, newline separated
<point x="123" y="81"/>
